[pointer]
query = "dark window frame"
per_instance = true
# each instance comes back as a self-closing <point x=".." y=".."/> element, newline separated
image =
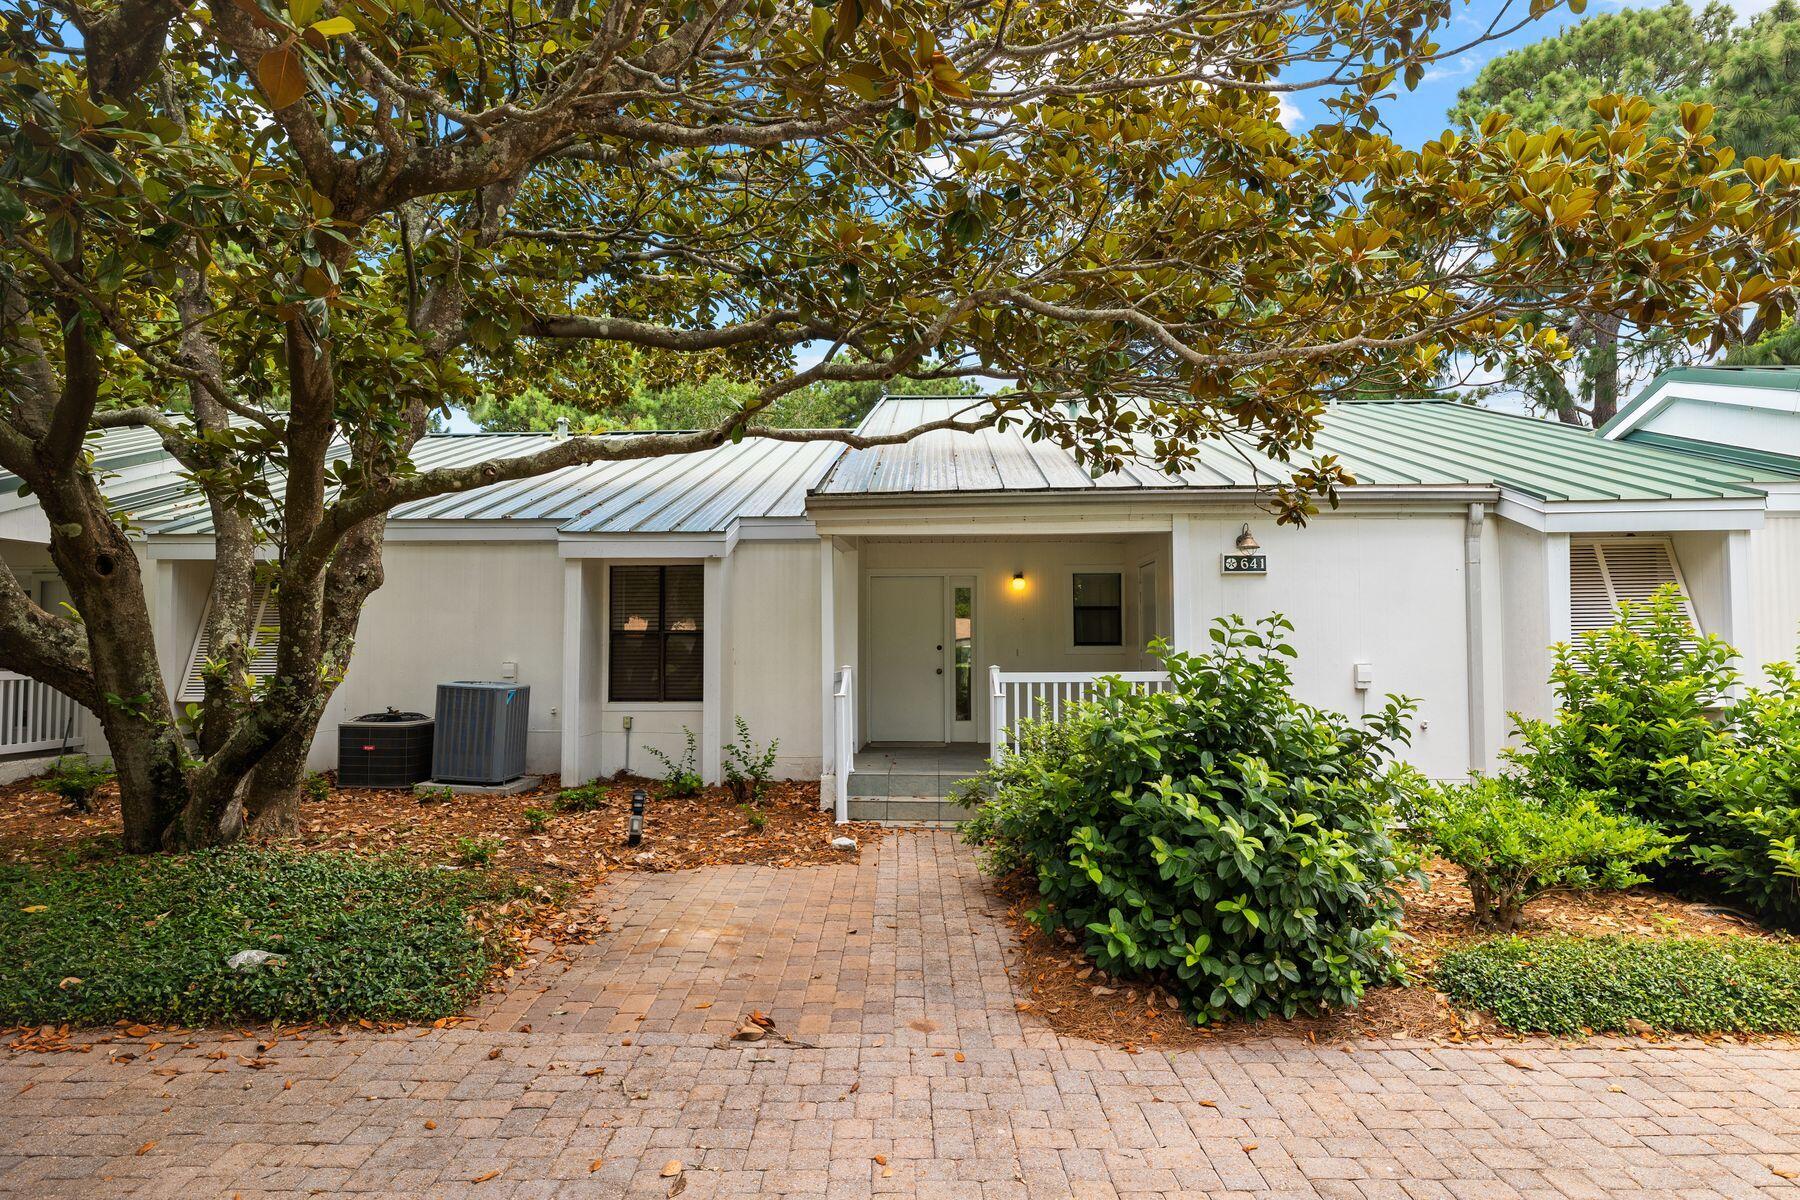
<point x="1076" y="608"/>
<point x="662" y="634"/>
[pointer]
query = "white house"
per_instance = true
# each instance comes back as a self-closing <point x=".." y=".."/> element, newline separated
<point x="920" y="596"/>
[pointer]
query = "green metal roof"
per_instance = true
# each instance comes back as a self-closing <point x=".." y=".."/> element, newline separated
<point x="1781" y="378"/>
<point x="1398" y="443"/>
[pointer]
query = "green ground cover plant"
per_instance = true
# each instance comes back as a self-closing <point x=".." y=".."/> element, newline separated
<point x="1220" y="837"/>
<point x="1571" y="985"/>
<point x="148" y="939"/>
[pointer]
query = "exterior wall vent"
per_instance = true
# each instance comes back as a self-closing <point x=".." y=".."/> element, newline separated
<point x="480" y="732"/>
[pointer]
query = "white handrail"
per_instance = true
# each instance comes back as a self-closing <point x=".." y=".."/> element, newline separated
<point x="35" y="716"/>
<point x="844" y="704"/>
<point x="1043" y="695"/>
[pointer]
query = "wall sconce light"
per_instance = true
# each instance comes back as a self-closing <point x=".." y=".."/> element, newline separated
<point x="1018" y="581"/>
<point x="1246" y="540"/>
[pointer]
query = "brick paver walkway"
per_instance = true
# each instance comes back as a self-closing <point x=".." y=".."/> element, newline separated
<point x="895" y="971"/>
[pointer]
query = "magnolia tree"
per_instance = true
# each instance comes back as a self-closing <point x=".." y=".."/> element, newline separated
<point x="284" y="234"/>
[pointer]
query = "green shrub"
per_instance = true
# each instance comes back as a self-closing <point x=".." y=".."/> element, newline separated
<point x="748" y="766"/>
<point x="1571" y="985"/>
<point x="1515" y="848"/>
<point x="681" y="777"/>
<point x="1642" y="718"/>
<point x="476" y="851"/>
<point x="76" y="778"/>
<point x="1632" y="717"/>
<point x="147" y="939"/>
<point x="1221" y="836"/>
<point x="585" y="798"/>
<point x="1750" y="844"/>
<point x="536" y="819"/>
<point x="316" y="787"/>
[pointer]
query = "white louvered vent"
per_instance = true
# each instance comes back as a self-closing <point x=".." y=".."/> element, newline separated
<point x="1604" y="574"/>
<point x="265" y="628"/>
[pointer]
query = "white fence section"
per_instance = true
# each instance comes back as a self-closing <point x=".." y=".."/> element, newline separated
<point x="1044" y="695"/>
<point x="843" y="700"/>
<point x="35" y="716"/>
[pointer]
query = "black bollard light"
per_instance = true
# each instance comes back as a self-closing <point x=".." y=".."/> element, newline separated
<point x="637" y="817"/>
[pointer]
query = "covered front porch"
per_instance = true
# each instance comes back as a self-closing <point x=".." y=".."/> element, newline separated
<point x="938" y="643"/>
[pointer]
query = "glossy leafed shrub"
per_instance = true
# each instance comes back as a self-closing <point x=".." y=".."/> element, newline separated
<point x="1221" y="837"/>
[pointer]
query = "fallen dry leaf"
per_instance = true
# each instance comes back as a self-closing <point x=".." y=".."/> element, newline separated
<point x="1513" y="1060"/>
<point x="596" y="1165"/>
<point x="485" y="1177"/>
<point x="431" y="1124"/>
<point x="671" y="1168"/>
<point x="143" y="1149"/>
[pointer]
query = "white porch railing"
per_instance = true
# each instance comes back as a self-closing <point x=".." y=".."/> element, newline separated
<point x="843" y="700"/>
<point x="1016" y="696"/>
<point x="35" y="716"/>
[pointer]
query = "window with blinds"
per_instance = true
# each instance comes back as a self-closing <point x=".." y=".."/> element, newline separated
<point x="653" y="648"/>
<point x="1099" y="608"/>
<point x="1604" y="574"/>
<point x="265" y="624"/>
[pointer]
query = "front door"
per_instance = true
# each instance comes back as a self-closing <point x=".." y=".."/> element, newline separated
<point x="905" y="636"/>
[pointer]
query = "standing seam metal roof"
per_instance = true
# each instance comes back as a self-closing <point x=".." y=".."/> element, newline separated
<point x="1383" y="443"/>
<point x="1396" y="443"/>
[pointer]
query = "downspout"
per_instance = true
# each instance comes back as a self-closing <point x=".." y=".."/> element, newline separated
<point x="1477" y="641"/>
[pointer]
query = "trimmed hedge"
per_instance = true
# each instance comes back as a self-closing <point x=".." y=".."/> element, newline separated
<point x="146" y="939"/>
<point x="1573" y="985"/>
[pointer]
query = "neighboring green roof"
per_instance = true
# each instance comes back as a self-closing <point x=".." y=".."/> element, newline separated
<point x="1384" y="443"/>
<point x="1778" y="377"/>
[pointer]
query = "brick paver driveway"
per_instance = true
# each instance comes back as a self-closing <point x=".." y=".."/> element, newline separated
<point x="895" y="972"/>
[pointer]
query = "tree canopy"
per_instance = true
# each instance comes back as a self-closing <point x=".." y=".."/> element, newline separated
<point x="319" y="222"/>
<point x="1671" y="56"/>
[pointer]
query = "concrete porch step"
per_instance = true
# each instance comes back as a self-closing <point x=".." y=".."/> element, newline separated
<point x="906" y="810"/>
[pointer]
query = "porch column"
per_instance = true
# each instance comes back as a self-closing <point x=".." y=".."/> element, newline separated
<point x="828" y="665"/>
<point x="575" y="666"/>
<point x="1559" y="623"/>
<point x="1185" y="628"/>
<point x="716" y="666"/>
<point x="1740" y="611"/>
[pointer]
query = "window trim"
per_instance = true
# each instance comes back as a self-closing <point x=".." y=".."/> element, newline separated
<point x="662" y="634"/>
<point x="1070" y="608"/>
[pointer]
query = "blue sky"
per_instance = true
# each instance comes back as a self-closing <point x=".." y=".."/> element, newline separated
<point x="1416" y="117"/>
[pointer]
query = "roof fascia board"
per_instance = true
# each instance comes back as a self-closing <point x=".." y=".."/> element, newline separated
<point x="776" y="529"/>
<point x="639" y="545"/>
<point x="1632" y="516"/>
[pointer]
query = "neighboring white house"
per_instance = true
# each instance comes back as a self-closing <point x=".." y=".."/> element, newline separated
<point x="919" y="594"/>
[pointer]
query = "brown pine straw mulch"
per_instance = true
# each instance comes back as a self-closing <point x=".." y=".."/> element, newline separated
<point x="1076" y="1000"/>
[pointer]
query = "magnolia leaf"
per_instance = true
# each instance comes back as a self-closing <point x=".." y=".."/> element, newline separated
<point x="281" y="76"/>
<point x="334" y="27"/>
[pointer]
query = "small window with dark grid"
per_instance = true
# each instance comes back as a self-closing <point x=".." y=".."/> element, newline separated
<point x="1099" y="608"/>
<point x="653" y="651"/>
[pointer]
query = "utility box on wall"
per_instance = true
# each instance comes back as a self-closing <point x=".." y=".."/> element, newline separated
<point x="481" y="729"/>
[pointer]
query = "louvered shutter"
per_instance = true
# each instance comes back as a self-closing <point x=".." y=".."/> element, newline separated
<point x="265" y="635"/>
<point x="1605" y="574"/>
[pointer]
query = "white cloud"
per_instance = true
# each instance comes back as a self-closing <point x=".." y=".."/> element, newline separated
<point x="1290" y="113"/>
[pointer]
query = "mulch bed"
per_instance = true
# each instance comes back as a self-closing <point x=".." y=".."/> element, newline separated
<point x="1076" y="1000"/>
<point x="561" y="863"/>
